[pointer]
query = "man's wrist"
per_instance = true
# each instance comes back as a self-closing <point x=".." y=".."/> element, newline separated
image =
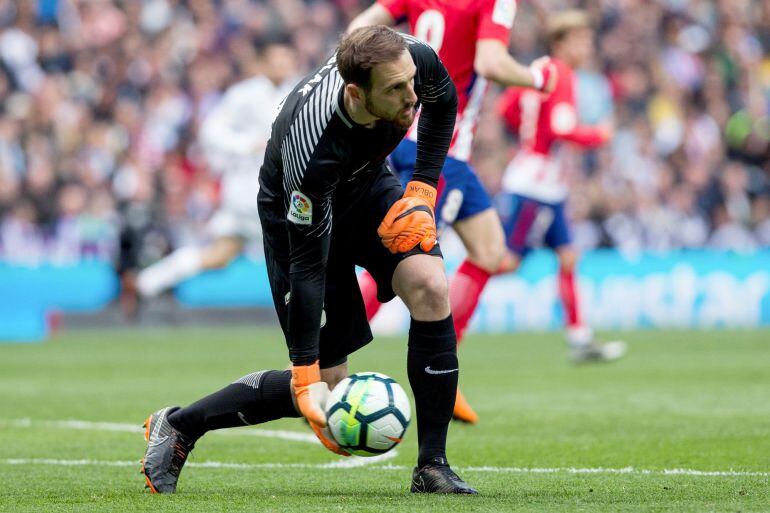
<point x="417" y="189"/>
<point x="538" y="79"/>
<point x="303" y="375"/>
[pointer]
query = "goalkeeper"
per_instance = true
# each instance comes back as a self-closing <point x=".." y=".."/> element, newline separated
<point x="328" y="202"/>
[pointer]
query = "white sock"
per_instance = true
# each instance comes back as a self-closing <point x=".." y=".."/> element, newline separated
<point x="166" y="273"/>
<point x="579" y="336"/>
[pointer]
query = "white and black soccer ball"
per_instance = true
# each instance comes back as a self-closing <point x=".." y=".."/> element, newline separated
<point x="368" y="413"/>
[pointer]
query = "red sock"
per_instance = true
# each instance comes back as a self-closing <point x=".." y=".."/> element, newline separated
<point x="464" y="292"/>
<point x="369" y="292"/>
<point x="569" y="297"/>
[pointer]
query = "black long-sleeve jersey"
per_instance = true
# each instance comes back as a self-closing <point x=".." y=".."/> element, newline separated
<point x="318" y="158"/>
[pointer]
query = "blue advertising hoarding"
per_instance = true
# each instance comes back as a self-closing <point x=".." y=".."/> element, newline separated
<point x="686" y="289"/>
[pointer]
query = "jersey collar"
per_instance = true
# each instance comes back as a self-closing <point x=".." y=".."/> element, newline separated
<point x="339" y="108"/>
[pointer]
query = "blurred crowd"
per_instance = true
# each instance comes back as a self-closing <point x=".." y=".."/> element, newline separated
<point x="102" y="101"/>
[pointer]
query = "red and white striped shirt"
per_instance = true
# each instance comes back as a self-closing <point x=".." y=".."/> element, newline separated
<point x="540" y="120"/>
<point x="452" y="28"/>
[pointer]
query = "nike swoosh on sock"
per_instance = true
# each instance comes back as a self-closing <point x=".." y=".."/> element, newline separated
<point x="433" y="371"/>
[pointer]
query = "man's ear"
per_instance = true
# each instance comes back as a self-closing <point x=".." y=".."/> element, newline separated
<point x="355" y="92"/>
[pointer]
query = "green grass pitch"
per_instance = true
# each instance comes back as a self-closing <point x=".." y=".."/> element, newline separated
<point x="552" y="436"/>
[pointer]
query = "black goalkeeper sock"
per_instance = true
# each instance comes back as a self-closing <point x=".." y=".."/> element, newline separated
<point x="433" y="371"/>
<point x="255" y="398"/>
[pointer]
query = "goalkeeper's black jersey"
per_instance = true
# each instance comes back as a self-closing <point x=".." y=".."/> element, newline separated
<point x="318" y="158"/>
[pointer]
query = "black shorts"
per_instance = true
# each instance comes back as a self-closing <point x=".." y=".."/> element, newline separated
<point x="354" y="242"/>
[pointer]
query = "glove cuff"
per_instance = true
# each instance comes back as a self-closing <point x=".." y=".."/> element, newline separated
<point x="303" y="375"/>
<point x="417" y="189"/>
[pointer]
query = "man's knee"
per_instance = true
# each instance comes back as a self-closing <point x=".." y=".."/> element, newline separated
<point x="421" y="283"/>
<point x="217" y="258"/>
<point x="509" y="263"/>
<point x="483" y="238"/>
<point x="428" y="298"/>
<point x="488" y="256"/>
<point x="222" y="252"/>
<point x="567" y="259"/>
<point x="432" y="287"/>
<point x="218" y="261"/>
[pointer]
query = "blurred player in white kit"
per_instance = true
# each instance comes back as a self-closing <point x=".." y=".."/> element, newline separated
<point x="233" y="137"/>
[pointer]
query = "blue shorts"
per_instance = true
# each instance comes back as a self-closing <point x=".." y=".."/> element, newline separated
<point x="531" y="223"/>
<point x="460" y="193"/>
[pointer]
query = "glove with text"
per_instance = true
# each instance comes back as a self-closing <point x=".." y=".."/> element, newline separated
<point x="410" y="220"/>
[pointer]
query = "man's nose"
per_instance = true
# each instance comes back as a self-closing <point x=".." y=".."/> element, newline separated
<point x="411" y="95"/>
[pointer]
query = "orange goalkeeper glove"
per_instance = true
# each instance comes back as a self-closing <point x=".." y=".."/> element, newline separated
<point x="311" y="394"/>
<point x="410" y="220"/>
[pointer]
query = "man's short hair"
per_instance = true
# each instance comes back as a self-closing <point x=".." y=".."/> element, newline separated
<point x="365" y="48"/>
<point x="561" y="23"/>
<point x="262" y="45"/>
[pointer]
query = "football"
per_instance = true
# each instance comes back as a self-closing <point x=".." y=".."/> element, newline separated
<point x="368" y="413"/>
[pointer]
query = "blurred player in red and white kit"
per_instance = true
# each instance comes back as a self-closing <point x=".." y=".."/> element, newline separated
<point x="534" y="188"/>
<point x="471" y="38"/>
<point x="233" y="137"/>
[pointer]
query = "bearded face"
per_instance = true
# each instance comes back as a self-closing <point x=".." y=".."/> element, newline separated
<point x="391" y="96"/>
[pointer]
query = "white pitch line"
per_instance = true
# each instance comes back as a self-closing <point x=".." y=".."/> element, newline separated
<point x="357" y="461"/>
<point x="294" y="436"/>
<point x="625" y="470"/>
<point x="347" y="465"/>
<point x="85" y="425"/>
<point x="352" y="462"/>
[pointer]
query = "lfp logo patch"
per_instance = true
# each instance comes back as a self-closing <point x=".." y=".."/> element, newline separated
<point x="300" y="209"/>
